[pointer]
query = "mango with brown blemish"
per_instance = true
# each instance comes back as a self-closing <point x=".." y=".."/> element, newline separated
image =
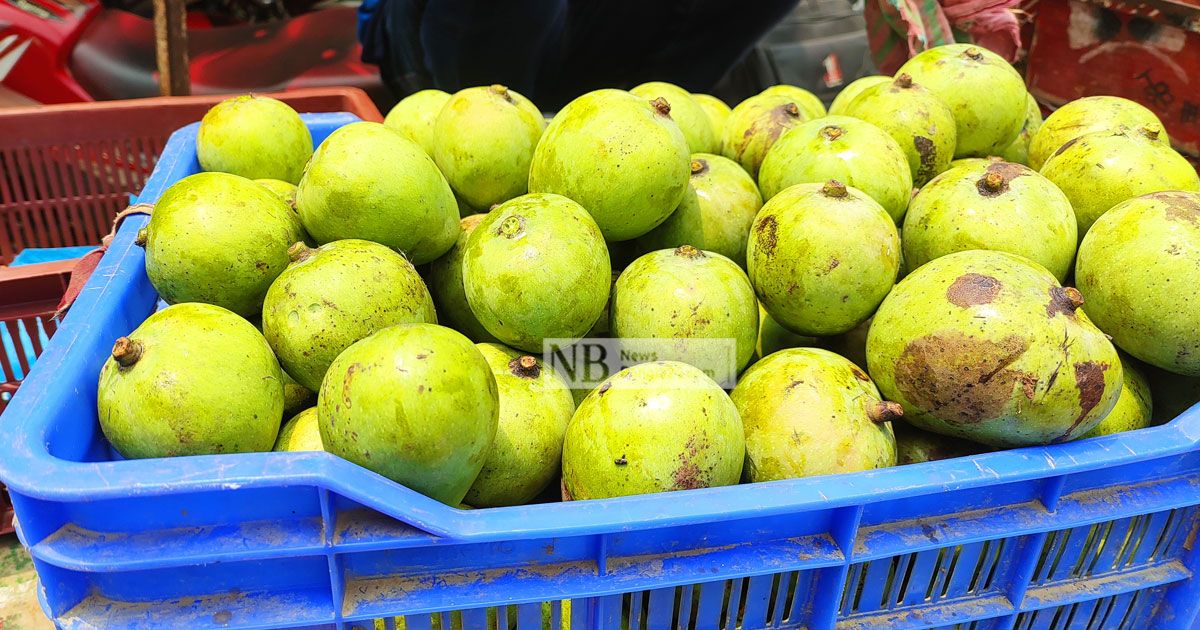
<point x="416" y="403"/>
<point x="1100" y="170"/>
<point x="849" y="150"/>
<point x="991" y="205"/>
<point x="755" y="124"/>
<point x="809" y="412"/>
<point x="987" y="346"/>
<point x="985" y="93"/>
<point x="821" y="258"/>
<point x="1138" y="270"/>
<point x="1134" y="409"/>
<point x="920" y="123"/>
<point x="621" y="157"/>
<point x="652" y="427"/>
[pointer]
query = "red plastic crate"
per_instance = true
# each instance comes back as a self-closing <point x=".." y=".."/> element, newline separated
<point x="1145" y="51"/>
<point x="65" y="172"/>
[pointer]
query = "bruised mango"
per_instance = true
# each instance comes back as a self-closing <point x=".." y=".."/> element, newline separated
<point x="987" y="346"/>
<point x="1134" y="408"/>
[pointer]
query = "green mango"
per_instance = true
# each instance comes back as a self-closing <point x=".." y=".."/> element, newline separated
<point x="920" y="123"/>
<point x="256" y="137"/>
<point x="1089" y="115"/>
<point x="301" y="433"/>
<point x="414" y="116"/>
<point x="686" y="112"/>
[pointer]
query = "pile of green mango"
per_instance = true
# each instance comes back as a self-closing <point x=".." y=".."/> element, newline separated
<point x="927" y="270"/>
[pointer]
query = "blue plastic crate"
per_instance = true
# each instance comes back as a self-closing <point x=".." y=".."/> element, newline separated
<point x="1094" y="534"/>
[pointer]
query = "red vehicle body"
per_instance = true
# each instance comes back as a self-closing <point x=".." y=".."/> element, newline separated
<point x="61" y="51"/>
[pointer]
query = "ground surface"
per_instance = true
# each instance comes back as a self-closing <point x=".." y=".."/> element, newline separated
<point x="19" y="608"/>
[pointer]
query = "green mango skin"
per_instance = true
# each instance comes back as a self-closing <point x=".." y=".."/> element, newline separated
<point x="414" y="116"/>
<point x="994" y="205"/>
<point x="652" y="427"/>
<point x="717" y="112"/>
<point x="850" y="150"/>
<point x="805" y="413"/>
<point x="219" y="239"/>
<point x="1137" y="269"/>
<point x="914" y="446"/>
<point x="536" y="267"/>
<point x="981" y="162"/>
<point x="821" y="263"/>
<point x="716" y="212"/>
<point x="256" y="137"/>
<point x="1172" y="393"/>
<point x="985" y="93"/>
<point x="535" y="407"/>
<point x="1100" y="170"/>
<point x="335" y="295"/>
<point x="684" y="294"/>
<point x="369" y="182"/>
<point x="918" y="121"/>
<point x="686" y="112"/>
<point x="205" y="383"/>
<point x="390" y="401"/>
<point x="772" y="337"/>
<point x="300" y="434"/>
<point x="485" y="141"/>
<point x="296" y="397"/>
<point x="618" y="156"/>
<point x="755" y="124"/>
<point x="1135" y="407"/>
<point x="1087" y="115"/>
<point x="445" y="276"/>
<point x="812" y="106"/>
<point x="1018" y="151"/>
<point x="988" y="347"/>
<point x="844" y="98"/>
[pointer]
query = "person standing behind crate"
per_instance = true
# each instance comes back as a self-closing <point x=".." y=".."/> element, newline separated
<point x="554" y="50"/>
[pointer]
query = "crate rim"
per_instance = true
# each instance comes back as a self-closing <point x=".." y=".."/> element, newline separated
<point x="31" y="470"/>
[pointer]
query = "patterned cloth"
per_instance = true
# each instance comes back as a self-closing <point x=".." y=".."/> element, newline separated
<point x="899" y="29"/>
